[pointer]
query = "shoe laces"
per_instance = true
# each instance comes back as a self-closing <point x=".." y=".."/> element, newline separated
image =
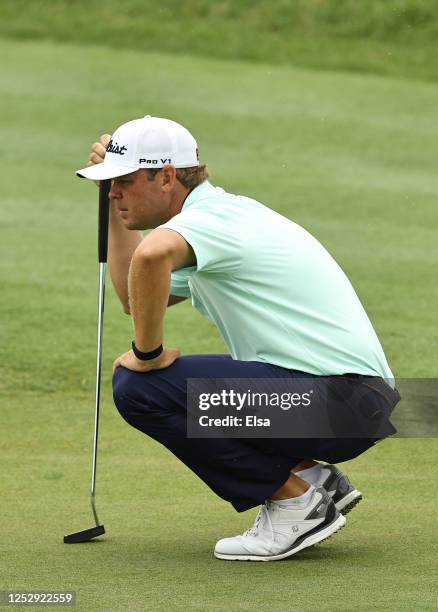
<point x="262" y="513"/>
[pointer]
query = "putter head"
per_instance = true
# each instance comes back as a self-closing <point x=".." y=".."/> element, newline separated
<point x="84" y="536"/>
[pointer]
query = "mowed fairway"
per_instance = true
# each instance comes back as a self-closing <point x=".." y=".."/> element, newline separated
<point x="353" y="159"/>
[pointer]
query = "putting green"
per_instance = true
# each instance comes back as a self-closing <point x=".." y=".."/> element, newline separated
<point x="353" y="159"/>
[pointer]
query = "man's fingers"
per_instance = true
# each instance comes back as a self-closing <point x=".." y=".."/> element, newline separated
<point x="97" y="155"/>
<point x="104" y="139"/>
<point x="95" y="159"/>
<point x="99" y="149"/>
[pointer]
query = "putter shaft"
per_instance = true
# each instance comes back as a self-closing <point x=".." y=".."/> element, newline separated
<point x="88" y="534"/>
<point x="102" y="270"/>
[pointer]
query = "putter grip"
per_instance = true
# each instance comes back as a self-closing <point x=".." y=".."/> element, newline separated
<point x="104" y="190"/>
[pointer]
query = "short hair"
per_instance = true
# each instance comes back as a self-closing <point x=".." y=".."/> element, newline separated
<point x="189" y="177"/>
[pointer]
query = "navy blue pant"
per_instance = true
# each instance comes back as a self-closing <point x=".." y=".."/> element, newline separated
<point x="244" y="472"/>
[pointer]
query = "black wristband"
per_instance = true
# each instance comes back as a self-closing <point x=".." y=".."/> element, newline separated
<point x="146" y="356"/>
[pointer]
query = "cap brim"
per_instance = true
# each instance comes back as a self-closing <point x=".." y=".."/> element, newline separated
<point x="100" y="172"/>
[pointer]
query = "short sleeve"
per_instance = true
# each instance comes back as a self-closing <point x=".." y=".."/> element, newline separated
<point x="213" y="238"/>
<point x="179" y="282"/>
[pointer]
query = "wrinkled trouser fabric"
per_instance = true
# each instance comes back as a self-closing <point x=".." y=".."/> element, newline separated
<point x="244" y="472"/>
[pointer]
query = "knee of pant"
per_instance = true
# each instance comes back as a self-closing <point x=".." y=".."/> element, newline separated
<point x="125" y="391"/>
<point x="121" y="383"/>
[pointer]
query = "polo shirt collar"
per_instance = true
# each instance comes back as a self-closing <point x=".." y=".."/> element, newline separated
<point x="199" y="192"/>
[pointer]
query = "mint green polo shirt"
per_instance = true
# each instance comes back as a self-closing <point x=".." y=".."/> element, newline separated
<point x="272" y="290"/>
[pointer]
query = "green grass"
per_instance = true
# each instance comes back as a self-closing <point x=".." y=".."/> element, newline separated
<point x="350" y="157"/>
<point x="391" y="37"/>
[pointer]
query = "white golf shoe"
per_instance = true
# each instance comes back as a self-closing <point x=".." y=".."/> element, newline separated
<point x="281" y="531"/>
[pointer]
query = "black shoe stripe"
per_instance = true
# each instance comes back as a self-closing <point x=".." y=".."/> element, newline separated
<point x="334" y="475"/>
<point x="331" y="517"/>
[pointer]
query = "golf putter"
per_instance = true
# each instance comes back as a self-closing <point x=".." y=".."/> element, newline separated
<point x="88" y="534"/>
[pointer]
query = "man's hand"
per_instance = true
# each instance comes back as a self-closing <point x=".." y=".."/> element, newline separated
<point x="129" y="360"/>
<point x="98" y="150"/>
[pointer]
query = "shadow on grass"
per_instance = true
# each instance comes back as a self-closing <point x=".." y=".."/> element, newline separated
<point x="195" y="551"/>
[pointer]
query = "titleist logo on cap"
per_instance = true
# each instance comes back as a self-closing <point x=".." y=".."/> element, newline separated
<point x="115" y="148"/>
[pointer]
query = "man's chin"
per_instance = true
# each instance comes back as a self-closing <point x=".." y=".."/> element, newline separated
<point x="132" y="225"/>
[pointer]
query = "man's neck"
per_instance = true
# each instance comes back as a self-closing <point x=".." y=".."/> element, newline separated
<point x="178" y="200"/>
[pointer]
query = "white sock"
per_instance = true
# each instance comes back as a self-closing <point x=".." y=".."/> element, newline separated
<point x="296" y="502"/>
<point x="312" y="474"/>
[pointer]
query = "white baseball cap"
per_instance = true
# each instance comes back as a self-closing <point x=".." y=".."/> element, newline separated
<point x="150" y="142"/>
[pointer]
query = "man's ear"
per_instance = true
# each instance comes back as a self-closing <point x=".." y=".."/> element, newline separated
<point x="168" y="177"/>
